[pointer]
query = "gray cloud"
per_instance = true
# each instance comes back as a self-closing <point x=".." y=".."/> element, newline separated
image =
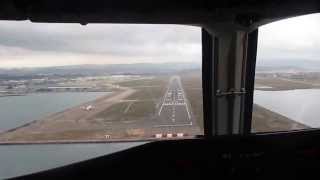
<point x="120" y="40"/>
<point x="27" y="44"/>
<point x="295" y="38"/>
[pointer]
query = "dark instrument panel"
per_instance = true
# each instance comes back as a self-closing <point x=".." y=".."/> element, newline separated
<point x="285" y="155"/>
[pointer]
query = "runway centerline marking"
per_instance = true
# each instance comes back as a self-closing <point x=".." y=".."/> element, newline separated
<point x="174" y="96"/>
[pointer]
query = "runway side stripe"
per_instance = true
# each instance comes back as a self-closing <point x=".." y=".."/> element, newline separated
<point x="160" y="109"/>
<point x="189" y="116"/>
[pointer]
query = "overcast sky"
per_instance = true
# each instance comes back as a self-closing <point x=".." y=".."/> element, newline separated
<point x="295" y="38"/>
<point x="26" y="44"/>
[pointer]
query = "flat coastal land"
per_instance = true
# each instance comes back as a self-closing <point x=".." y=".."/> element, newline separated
<point x="72" y="123"/>
<point x="140" y="108"/>
<point x="148" y="107"/>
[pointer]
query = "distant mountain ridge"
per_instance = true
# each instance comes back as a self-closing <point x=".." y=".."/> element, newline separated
<point x="285" y="65"/>
<point x="110" y="69"/>
<point x="154" y="68"/>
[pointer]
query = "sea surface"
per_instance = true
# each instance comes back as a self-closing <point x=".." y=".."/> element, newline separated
<point x="301" y="105"/>
<point x="19" y="110"/>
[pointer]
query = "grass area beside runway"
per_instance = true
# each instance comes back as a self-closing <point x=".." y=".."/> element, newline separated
<point x="141" y="109"/>
<point x="112" y="113"/>
<point x="152" y="88"/>
<point x="126" y="111"/>
<point x="141" y="105"/>
<point x="192" y="84"/>
<point x="147" y="81"/>
<point x="277" y="84"/>
<point x="148" y="93"/>
<point x="264" y="120"/>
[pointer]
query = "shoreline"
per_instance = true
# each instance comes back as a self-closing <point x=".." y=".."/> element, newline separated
<point x="34" y="121"/>
<point x="8" y="95"/>
<point x="265" y="120"/>
<point x="70" y="116"/>
<point x="56" y="92"/>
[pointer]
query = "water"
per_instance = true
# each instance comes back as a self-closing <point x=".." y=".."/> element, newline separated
<point x="17" y="160"/>
<point x="300" y="105"/>
<point x="18" y="110"/>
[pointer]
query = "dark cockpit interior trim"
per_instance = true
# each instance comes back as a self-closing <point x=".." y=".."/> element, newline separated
<point x="235" y="152"/>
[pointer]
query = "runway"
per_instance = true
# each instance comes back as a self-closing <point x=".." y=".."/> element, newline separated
<point x="174" y="113"/>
